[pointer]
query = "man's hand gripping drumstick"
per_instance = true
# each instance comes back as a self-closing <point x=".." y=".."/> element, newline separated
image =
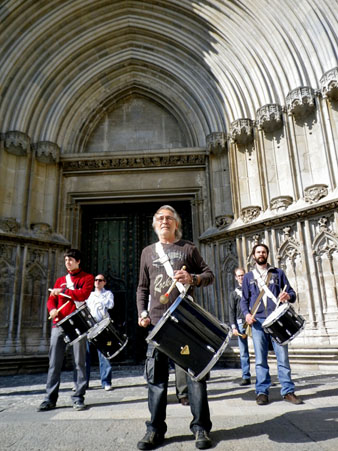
<point x="57" y="292"/>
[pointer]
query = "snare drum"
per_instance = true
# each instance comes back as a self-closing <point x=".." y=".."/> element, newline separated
<point x="284" y="324"/>
<point x="107" y="339"/>
<point x="191" y="337"/>
<point x="76" y="325"/>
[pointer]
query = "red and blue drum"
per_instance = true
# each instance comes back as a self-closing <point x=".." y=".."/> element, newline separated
<point x="192" y="337"/>
<point x="107" y="339"/>
<point x="283" y="324"/>
<point x="76" y="325"/>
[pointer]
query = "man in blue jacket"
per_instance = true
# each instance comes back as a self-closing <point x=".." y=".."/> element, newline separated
<point x="275" y="285"/>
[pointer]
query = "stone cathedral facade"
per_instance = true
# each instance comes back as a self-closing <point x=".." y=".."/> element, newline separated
<point x="226" y="109"/>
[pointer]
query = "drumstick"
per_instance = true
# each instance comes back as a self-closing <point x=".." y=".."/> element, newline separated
<point x="283" y="291"/>
<point x="61" y="294"/>
<point x="60" y="308"/>
<point x="165" y="297"/>
<point x="242" y="335"/>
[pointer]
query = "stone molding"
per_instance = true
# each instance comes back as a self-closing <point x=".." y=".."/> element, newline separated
<point x="314" y="193"/>
<point x="47" y="152"/>
<point x="248" y="214"/>
<point x="301" y="101"/>
<point x="269" y="117"/>
<point x="127" y="163"/>
<point x="223" y="221"/>
<point x="280" y="203"/>
<point x="217" y="142"/>
<point x="241" y="131"/>
<point x="41" y="229"/>
<point x="9" y="225"/>
<point x="329" y="84"/>
<point x="17" y="143"/>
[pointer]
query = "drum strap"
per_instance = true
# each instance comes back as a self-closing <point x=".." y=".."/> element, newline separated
<point x="164" y="259"/>
<point x="70" y="286"/>
<point x="254" y="309"/>
<point x="264" y="286"/>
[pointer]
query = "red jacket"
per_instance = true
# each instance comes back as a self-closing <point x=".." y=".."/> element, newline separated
<point x="83" y="286"/>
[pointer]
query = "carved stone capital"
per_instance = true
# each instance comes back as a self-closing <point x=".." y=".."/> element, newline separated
<point x="269" y="117"/>
<point x="241" y="131"/>
<point x="41" y="229"/>
<point x="280" y="203"/>
<point x="9" y="225"/>
<point x="314" y="193"/>
<point x="47" y="152"/>
<point x="250" y="213"/>
<point x="17" y="143"/>
<point x="329" y="84"/>
<point x="217" y="142"/>
<point x="301" y="101"/>
<point x="223" y="221"/>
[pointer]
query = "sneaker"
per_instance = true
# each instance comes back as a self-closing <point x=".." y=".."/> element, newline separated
<point x="108" y="387"/>
<point x="291" y="397"/>
<point x="262" y="399"/>
<point x="245" y="382"/>
<point x="45" y="405"/>
<point x="151" y="440"/>
<point x="79" y="405"/>
<point x="202" y="439"/>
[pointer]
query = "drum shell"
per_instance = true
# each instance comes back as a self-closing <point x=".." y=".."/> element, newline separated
<point x="284" y="324"/>
<point x="107" y="339"/>
<point x="186" y="324"/>
<point x="76" y="325"/>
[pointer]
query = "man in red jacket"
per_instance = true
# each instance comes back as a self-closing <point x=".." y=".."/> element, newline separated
<point x="77" y="285"/>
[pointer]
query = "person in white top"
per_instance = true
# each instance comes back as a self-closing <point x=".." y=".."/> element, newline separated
<point x="99" y="302"/>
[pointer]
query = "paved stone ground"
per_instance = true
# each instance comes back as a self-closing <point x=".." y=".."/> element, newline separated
<point x="115" y="420"/>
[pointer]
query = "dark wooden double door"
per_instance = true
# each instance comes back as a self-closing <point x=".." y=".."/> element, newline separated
<point x="113" y="236"/>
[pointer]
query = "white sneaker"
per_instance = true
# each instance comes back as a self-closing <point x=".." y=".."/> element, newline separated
<point x="108" y="387"/>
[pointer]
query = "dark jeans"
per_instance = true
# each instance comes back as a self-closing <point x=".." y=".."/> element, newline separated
<point x="156" y="375"/>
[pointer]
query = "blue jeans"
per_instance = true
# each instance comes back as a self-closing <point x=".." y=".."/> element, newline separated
<point x="105" y="367"/>
<point x="157" y="374"/>
<point x="261" y="345"/>
<point x="244" y="354"/>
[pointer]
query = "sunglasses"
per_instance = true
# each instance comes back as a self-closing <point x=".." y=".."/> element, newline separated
<point x="99" y="280"/>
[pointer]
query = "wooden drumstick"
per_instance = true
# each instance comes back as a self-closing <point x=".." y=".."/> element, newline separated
<point x="242" y="335"/>
<point x="283" y="291"/>
<point x="165" y="297"/>
<point x="60" y="308"/>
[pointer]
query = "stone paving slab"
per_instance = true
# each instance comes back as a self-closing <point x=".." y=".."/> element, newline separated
<point x="115" y="420"/>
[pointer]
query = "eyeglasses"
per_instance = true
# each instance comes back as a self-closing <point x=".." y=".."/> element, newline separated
<point x="165" y="218"/>
<point x="99" y="280"/>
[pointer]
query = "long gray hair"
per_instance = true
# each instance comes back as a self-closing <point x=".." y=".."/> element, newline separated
<point x="178" y="231"/>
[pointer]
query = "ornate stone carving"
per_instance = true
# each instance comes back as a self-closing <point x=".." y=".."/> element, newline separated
<point x="269" y="117"/>
<point x="223" y="221"/>
<point x="329" y="84"/>
<point x="17" y="143"/>
<point x="41" y="229"/>
<point x="133" y="162"/>
<point x="47" y="152"/>
<point x="314" y="193"/>
<point x="281" y="203"/>
<point x="217" y="142"/>
<point x="250" y="213"/>
<point x="241" y="131"/>
<point x="9" y="225"/>
<point x="301" y="101"/>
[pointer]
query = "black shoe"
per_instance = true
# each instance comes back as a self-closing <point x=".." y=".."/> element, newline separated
<point x="79" y="405"/>
<point x="46" y="405"/>
<point x="202" y="440"/>
<point x="245" y="382"/>
<point x="151" y="440"/>
<point x="262" y="399"/>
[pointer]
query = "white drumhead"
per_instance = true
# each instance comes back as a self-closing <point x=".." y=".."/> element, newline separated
<point x="277" y="313"/>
